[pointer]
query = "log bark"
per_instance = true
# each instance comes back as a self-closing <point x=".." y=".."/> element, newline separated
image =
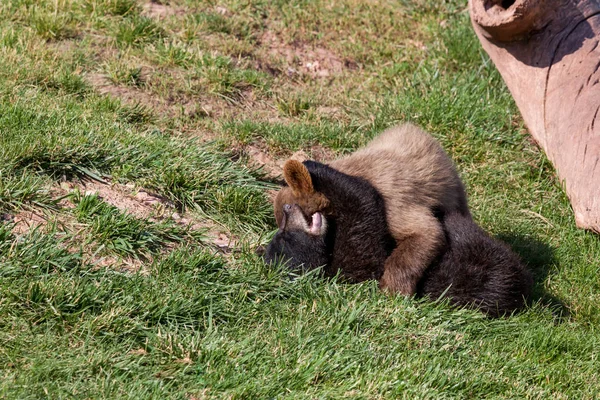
<point x="548" y="54"/>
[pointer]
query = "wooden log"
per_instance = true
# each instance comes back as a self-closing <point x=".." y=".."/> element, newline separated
<point x="548" y="54"/>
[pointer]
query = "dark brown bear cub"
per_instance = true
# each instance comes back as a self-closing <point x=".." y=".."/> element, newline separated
<point x="472" y="269"/>
<point x="354" y="235"/>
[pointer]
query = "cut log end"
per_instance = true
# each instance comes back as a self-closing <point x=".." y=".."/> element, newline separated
<point x="507" y="20"/>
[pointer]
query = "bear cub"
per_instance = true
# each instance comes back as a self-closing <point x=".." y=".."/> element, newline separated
<point x="352" y="239"/>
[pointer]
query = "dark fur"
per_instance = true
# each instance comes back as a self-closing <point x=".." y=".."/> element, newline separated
<point x="357" y="241"/>
<point x="472" y="269"/>
<point x="299" y="250"/>
<point x="477" y="270"/>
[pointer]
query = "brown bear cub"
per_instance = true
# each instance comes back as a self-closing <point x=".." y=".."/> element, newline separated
<point x="352" y="239"/>
<point x="416" y="180"/>
<point x="471" y="269"/>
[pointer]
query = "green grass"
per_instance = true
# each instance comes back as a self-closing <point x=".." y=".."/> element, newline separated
<point x="137" y="31"/>
<point x="123" y="233"/>
<point x="100" y="302"/>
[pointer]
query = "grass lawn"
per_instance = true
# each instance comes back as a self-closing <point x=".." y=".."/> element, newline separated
<point x="139" y="142"/>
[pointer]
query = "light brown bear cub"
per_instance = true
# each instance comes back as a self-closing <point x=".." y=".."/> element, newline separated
<point x="418" y="183"/>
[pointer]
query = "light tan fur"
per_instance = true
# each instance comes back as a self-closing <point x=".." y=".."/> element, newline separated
<point x="415" y="177"/>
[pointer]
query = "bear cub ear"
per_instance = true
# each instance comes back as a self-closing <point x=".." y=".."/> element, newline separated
<point x="298" y="178"/>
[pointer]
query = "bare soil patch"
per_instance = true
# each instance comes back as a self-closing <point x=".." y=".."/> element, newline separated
<point x="128" y="264"/>
<point x="159" y="10"/>
<point x="127" y="94"/>
<point x="259" y="157"/>
<point x="146" y="205"/>
<point x="322" y="154"/>
<point x="26" y="221"/>
<point x="175" y="105"/>
<point x="126" y="198"/>
<point x="301" y="58"/>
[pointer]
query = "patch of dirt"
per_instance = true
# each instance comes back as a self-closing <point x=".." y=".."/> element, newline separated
<point x="322" y="154"/>
<point x="146" y="205"/>
<point x="139" y="203"/>
<point x="222" y="240"/>
<point x="417" y="44"/>
<point x="63" y="46"/>
<point x="26" y="221"/>
<point x="258" y="158"/>
<point x="273" y="168"/>
<point x="202" y="395"/>
<point x="185" y="360"/>
<point x="301" y="58"/>
<point x="201" y="106"/>
<point x="222" y="10"/>
<point x="127" y="94"/>
<point x="138" y="352"/>
<point x="158" y="10"/>
<point x="128" y="264"/>
<point x="332" y="112"/>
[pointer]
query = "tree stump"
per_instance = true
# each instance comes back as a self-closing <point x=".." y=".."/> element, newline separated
<point x="548" y="54"/>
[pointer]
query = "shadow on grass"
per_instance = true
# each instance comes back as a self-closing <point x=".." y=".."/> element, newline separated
<point x="539" y="258"/>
